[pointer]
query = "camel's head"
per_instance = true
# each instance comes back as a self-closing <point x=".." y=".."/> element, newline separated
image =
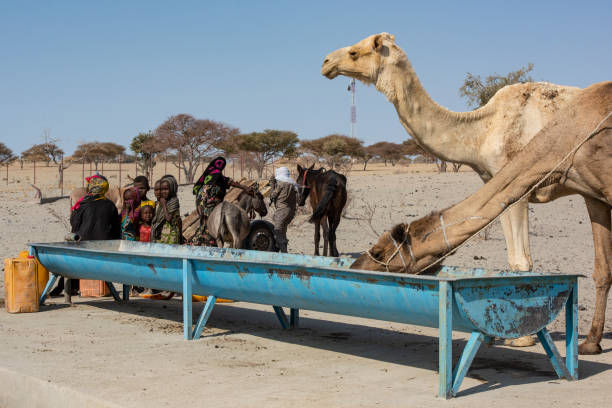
<point x="393" y="253"/>
<point x="363" y="61"/>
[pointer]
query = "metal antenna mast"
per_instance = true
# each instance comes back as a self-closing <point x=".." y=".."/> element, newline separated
<point x="351" y="89"/>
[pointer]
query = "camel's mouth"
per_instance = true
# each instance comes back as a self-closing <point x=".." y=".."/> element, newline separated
<point x="329" y="71"/>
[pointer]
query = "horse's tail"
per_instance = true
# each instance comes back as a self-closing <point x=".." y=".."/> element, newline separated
<point x="325" y="202"/>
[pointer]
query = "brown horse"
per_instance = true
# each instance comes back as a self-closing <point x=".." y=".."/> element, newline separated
<point x="327" y="191"/>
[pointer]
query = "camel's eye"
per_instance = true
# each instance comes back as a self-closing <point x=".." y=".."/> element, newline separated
<point x="353" y="54"/>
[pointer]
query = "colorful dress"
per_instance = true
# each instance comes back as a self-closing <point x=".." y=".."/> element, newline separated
<point x="128" y="229"/>
<point x="130" y="217"/>
<point x="207" y="199"/>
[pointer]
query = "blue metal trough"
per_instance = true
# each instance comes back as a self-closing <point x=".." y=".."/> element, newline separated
<point x="486" y="304"/>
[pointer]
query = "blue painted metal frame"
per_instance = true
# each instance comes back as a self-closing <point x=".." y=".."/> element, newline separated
<point x="483" y="303"/>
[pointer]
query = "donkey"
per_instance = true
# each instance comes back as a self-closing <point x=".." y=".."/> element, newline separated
<point x="230" y="222"/>
<point x="327" y="190"/>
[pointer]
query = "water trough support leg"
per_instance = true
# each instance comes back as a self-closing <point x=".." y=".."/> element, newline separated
<point x="47" y="289"/>
<point x="126" y="292"/>
<point x="210" y="303"/>
<point x="469" y="352"/>
<point x="187" y="302"/>
<point x="445" y="354"/>
<point x="113" y="291"/>
<point x="553" y="354"/>
<point x="282" y="317"/>
<point x="571" y="332"/>
<point x="294" y="318"/>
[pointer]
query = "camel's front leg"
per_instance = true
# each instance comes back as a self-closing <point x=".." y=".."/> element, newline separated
<point x="602" y="275"/>
<point x="515" y="224"/>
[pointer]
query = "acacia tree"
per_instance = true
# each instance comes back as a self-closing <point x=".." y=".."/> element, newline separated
<point x="337" y="150"/>
<point x="193" y="140"/>
<point x="147" y="148"/>
<point x="6" y="156"/>
<point x="97" y="152"/>
<point x="35" y="153"/>
<point x="387" y="151"/>
<point x="479" y="92"/>
<point x="367" y="154"/>
<point x="268" y="145"/>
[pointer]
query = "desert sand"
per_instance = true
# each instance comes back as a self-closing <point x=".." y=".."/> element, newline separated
<point x="134" y="355"/>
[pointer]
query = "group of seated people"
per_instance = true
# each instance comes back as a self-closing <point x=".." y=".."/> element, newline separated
<point x="94" y="217"/>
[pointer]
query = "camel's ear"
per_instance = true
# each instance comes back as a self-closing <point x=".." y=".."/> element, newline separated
<point x="378" y="42"/>
<point x="398" y="233"/>
<point x="379" y="38"/>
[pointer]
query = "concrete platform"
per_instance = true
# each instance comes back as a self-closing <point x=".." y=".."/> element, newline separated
<point x="100" y="353"/>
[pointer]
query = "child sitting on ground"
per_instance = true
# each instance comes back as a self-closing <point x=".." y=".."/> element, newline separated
<point x="146" y="216"/>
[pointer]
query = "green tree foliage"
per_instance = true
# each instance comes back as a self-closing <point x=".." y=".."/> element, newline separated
<point x="96" y="152"/>
<point x="193" y="140"/>
<point x="479" y="92"/>
<point x="268" y="145"/>
<point x="337" y="150"/>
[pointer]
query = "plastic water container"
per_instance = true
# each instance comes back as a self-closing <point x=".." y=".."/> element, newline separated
<point x="21" y="290"/>
<point x="93" y="288"/>
<point x="42" y="274"/>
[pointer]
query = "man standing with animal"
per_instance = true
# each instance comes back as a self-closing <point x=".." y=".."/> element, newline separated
<point x="284" y="197"/>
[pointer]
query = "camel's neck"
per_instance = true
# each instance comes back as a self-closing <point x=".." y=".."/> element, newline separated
<point x="438" y="233"/>
<point x="452" y="136"/>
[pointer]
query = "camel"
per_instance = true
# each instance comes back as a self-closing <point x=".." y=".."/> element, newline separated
<point x="549" y="159"/>
<point x="484" y="139"/>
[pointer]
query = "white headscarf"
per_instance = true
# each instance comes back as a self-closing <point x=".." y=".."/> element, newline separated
<point x="282" y="174"/>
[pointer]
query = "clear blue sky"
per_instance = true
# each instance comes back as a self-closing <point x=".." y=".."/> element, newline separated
<point x="106" y="70"/>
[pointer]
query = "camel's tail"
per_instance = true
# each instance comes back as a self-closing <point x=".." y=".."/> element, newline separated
<point x="325" y="202"/>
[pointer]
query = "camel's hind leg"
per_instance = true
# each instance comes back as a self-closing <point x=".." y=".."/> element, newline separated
<point x="515" y="224"/>
<point x="599" y="213"/>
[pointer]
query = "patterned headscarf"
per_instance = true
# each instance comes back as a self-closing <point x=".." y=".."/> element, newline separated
<point x="133" y="206"/>
<point x="211" y="175"/>
<point x="97" y="186"/>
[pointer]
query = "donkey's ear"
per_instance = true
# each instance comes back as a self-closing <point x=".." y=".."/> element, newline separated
<point x="398" y="233"/>
<point x="311" y="167"/>
<point x="299" y="168"/>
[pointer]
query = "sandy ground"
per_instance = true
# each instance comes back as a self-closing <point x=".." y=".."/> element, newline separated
<point x="134" y="355"/>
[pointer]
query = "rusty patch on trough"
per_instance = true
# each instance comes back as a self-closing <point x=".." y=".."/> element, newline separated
<point x="152" y="268"/>
<point x="301" y="274"/>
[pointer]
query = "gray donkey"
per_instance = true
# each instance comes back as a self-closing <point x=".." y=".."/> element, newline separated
<point x="231" y="222"/>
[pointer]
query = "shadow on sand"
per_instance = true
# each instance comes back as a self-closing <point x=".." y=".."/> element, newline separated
<point x="494" y="366"/>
